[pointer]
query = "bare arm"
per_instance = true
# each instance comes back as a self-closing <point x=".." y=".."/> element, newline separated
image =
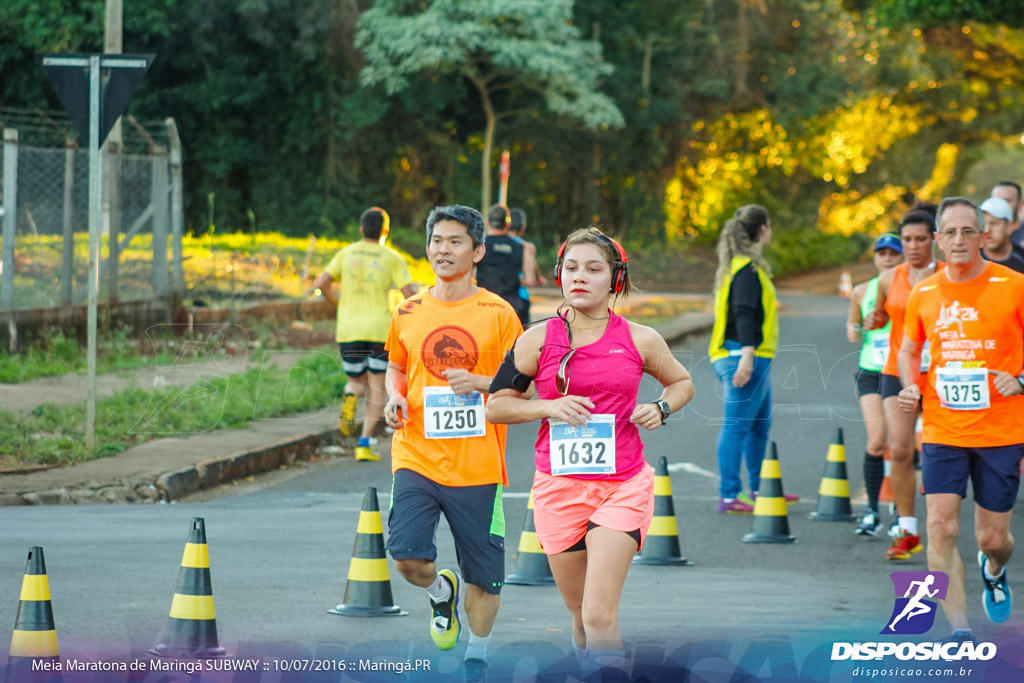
<point x="396" y="384"/>
<point x="410" y="289"/>
<point x="878" y="317"/>
<point x="530" y="270"/>
<point x="908" y="364"/>
<point x="854" y="320"/>
<point x="325" y="284"/>
<point x="660" y="364"/>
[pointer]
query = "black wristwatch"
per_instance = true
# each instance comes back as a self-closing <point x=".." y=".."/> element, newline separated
<point x="1020" y="379"/>
<point x="665" y="409"/>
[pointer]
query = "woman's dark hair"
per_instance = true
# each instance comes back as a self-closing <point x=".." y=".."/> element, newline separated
<point x="922" y="213"/>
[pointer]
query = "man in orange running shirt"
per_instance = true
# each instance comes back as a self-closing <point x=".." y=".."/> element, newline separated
<point x="444" y="346"/>
<point x="972" y="315"/>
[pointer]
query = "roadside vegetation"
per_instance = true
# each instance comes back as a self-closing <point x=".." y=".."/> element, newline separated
<point x="55" y="435"/>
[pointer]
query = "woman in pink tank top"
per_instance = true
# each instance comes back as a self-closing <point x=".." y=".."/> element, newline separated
<point x="593" y="491"/>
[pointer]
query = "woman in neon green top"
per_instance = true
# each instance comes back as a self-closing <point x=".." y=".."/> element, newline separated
<point x="873" y="351"/>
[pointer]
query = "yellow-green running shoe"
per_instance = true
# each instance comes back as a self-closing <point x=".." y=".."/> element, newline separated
<point x="366" y="454"/>
<point x="347" y="421"/>
<point x="445" y="626"/>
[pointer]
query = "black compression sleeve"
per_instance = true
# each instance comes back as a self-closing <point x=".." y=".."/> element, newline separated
<point x="509" y="377"/>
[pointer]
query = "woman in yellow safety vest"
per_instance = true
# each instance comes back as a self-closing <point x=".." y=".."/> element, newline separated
<point x="743" y="343"/>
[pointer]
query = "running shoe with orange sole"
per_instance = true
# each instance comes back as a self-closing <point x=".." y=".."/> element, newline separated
<point x="904" y="545"/>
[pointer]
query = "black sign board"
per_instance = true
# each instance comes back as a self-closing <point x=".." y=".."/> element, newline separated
<point x="120" y="75"/>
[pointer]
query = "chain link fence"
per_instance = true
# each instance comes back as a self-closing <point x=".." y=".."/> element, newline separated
<point x="45" y="222"/>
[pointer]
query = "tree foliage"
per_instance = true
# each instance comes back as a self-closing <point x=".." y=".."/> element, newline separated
<point x="943" y="12"/>
<point x="833" y="113"/>
<point x="508" y="51"/>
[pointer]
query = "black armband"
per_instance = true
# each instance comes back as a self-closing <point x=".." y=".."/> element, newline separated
<point x="509" y="377"/>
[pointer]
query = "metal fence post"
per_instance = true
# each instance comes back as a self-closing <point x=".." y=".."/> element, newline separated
<point x="10" y="216"/>
<point x="160" y="218"/>
<point x="112" y="216"/>
<point x="177" y="207"/>
<point x="67" y="267"/>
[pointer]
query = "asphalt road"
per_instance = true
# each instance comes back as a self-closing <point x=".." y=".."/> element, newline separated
<point x="280" y="550"/>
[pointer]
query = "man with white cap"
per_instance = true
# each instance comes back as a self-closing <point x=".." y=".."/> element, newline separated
<point x="1010" y="191"/>
<point x="999" y="224"/>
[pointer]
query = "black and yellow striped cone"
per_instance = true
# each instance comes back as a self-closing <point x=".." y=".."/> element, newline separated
<point x="662" y="543"/>
<point x="192" y="626"/>
<point x="771" y="522"/>
<point x="834" y="491"/>
<point x="532" y="568"/>
<point x="368" y="592"/>
<point x="35" y="635"/>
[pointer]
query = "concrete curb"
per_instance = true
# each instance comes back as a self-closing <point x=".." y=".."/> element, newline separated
<point x="224" y="470"/>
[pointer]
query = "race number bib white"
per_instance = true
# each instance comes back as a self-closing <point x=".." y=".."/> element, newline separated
<point x="447" y="415"/>
<point x="926" y="356"/>
<point x="880" y="350"/>
<point x="589" y="449"/>
<point x="962" y="388"/>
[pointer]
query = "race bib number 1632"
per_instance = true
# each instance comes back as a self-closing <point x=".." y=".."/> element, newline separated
<point x="589" y="449"/>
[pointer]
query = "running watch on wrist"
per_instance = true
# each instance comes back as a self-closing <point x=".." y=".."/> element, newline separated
<point x="1020" y="379"/>
<point x="665" y="409"/>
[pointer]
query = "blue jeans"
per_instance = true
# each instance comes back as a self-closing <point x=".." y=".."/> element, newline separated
<point x="748" y="417"/>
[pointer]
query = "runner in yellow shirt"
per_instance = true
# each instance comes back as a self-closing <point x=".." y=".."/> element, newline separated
<point x="366" y="270"/>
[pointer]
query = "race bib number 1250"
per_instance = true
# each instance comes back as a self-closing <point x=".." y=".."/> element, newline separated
<point x="447" y="415"/>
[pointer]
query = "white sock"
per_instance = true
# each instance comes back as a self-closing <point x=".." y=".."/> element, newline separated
<point x="440" y="590"/>
<point x="989" y="576"/>
<point x="477" y="648"/>
<point x="910" y="524"/>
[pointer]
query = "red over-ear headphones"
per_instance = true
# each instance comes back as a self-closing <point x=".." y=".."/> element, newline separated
<point x="618" y="270"/>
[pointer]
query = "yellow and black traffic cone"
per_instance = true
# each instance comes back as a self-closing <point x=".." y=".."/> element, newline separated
<point x="532" y="568"/>
<point x="192" y="626"/>
<point x="771" y="522"/>
<point x="368" y="592"/>
<point x="662" y="543"/>
<point x="35" y="636"/>
<point x="834" y="491"/>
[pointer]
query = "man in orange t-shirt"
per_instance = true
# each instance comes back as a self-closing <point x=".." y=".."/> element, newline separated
<point x="444" y="347"/>
<point x="972" y="315"/>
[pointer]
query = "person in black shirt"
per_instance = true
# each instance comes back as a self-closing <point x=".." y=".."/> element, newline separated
<point x="499" y="270"/>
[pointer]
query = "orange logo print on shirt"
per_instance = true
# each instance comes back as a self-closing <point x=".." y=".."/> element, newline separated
<point x="449" y="347"/>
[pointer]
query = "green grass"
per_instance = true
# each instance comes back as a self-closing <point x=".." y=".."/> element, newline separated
<point x="53" y="435"/>
<point x="58" y="354"/>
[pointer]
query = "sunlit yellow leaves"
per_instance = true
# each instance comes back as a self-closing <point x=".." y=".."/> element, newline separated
<point x="729" y="152"/>
<point x="849" y="212"/>
<point x="942" y="172"/>
<point x="851" y="138"/>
